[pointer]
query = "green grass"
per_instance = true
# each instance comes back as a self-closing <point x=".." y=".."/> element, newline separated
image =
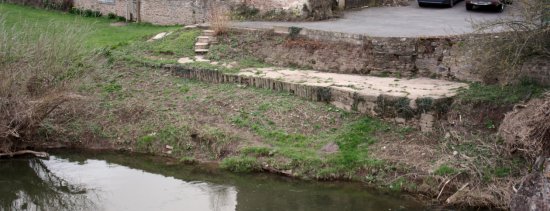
<point x="100" y="34"/>
<point x="499" y="95"/>
<point x="353" y="140"/>
<point x="241" y="164"/>
<point x="180" y="44"/>
<point x="258" y="151"/>
<point x="445" y="170"/>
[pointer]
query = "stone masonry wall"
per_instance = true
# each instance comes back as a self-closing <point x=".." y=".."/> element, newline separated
<point x="437" y="57"/>
<point x="267" y="5"/>
<point x="118" y="7"/>
<point x="162" y="12"/>
<point x="169" y="12"/>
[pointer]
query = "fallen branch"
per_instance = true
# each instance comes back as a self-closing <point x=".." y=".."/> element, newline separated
<point x="25" y="152"/>
<point x="453" y="197"/>
<point x="443" y="188"/>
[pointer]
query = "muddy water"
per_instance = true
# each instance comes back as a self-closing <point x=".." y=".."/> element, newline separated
<point x="109" y="181"/>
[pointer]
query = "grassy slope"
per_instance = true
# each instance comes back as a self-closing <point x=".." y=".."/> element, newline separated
<point x="146" y="109"/>
<point x="101" y="33"/>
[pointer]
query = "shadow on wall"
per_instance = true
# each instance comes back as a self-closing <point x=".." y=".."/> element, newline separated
<point x="64" y="5"/>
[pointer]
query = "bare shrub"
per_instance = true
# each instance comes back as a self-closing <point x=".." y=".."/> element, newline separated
<point x="64" y="5"/>
<point x="527" y="128"/>
<point x="37" y="63"/>
<point x="510" y="41"/>
<point x="219" y="18"/>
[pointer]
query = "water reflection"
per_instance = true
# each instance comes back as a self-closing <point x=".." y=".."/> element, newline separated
<point x="30" y="185"/>
<point x="121" y="182"/>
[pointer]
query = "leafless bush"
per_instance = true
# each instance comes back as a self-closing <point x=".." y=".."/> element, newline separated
<point x="64" y="5"/>
<point x="510" y="41"/>
<point x="219" y="18"/>
<point x="36" y="64"/>
<point x="527" y="128"/>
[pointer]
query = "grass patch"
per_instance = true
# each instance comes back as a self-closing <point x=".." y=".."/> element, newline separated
<point x="241" y="164"/>
<point x="102" y="35"/>
<point x="445" y="170"/>
<point x="179" y="43"/>
<point x="257" y="151"/>
<point x="354" y="142"/>
<point x="499" y="95"/>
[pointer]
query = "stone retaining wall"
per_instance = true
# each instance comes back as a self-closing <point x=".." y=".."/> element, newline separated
<point x="384" y="106"/>
<point x="436" y="57"/>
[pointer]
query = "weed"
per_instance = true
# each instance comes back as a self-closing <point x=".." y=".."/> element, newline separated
<point x="111" y="15"/>
<point x="293" y="32"/>
<point x="257" y="151"/>
<point x="424" y="104"/>
<point x="241" y="164"/>
<point x="146" y="142"/>
<point x="445" y="170"/>
<point x="179" y="44"/>
<point x="404" y="109"/>
<point x="217" y="52"/>
<point x="398" y="184"/>
<point x="499" y="95"/>
<point x="188" y="160"/>
<point x="243" y="11"/>
<point x="489" y="124"/>
<point x="112" y="87"/>
<point x="183" y="89"/>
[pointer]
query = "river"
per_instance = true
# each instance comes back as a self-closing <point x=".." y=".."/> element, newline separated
<point x="115" y="181"/>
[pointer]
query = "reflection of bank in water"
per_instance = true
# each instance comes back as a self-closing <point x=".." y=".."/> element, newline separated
<point x="30" y="185"/>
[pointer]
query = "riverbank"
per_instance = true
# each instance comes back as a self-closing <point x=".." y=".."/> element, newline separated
<point x="128" y="104"/>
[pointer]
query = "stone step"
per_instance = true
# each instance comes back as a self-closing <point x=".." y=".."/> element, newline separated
<point x="201" y="51"/>
<point x="210" y="33"/>
<point x="201" y="45"/>
<point x="204" y="39"/>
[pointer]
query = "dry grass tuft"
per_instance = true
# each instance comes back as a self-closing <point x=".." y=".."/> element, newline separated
<point x="527" y="128"/>
<point x="219" y="18"/>
<point x="35" y="69"/>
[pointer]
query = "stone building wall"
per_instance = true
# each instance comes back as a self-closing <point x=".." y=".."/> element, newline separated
<point x="162" y="12"/>
<point x="119" y="7"/>
<point x="169" y="12"/>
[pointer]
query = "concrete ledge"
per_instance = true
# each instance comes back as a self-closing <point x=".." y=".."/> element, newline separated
<point x="384" y="105"/>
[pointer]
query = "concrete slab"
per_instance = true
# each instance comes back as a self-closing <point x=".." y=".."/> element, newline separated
<point x="159" y="36"/>
<point x="369" y="86"/>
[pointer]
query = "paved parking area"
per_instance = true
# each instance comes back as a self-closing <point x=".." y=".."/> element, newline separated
<point x="408" y="21"/>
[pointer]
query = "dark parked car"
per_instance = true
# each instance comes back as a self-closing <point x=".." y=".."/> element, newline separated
<point x="450" y="3"/>
<point x="497" y="5"/>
